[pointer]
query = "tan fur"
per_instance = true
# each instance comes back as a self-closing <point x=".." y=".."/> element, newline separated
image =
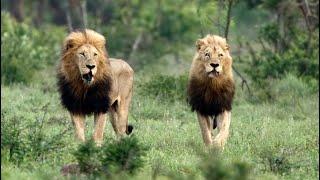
<point x="212" y="50"/>
<point x="73" y="65"/>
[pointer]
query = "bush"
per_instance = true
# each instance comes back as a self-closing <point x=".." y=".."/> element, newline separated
<point x="88" y="157"/>
<point x="114" y="157"/>
<point x="26" y="50"/>
<point x="286" y="49"/>
<point x="28" y="141"/>
<point x="125" y="155"/>
<point x="275" y="162"/>
<point x="286" y="90"/>
<point x="164" y="87"/>
<point x="214" y="167"/>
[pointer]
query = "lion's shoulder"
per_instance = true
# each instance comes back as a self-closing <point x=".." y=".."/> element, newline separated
<point x="120" y="66"/>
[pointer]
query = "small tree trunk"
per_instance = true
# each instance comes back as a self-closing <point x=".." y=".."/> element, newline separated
<point x="83" y="5"/>
<point x="17" y="9"/>
<point x="226" y="32"/>
<point x="40" y="5"/>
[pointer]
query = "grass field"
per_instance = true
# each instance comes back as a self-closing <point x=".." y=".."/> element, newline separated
<point x="277" y="139"/>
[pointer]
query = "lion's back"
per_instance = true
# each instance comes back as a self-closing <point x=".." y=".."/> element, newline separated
<point x="120" y="66"/>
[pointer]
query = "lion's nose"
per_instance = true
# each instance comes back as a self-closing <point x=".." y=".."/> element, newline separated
<point x="90" y="66"/>
<point x="214" y="65"/>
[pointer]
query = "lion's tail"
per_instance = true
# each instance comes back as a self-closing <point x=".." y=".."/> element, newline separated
<point x="129" y="129"/>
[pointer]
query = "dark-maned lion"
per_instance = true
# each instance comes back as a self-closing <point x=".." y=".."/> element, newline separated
<point x="211" y="88"/>
<point x="91" y="83"/>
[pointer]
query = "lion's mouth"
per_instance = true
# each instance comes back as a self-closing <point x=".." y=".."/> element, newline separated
<point x="213" y="73"/>
<point x="87" y="78"/>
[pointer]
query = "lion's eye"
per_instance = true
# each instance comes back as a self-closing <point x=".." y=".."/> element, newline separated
<point x="95" y="54"/>
<point x="82" y="53"/>
<point x="220" y="55"/>
<point x="207" y="54"/>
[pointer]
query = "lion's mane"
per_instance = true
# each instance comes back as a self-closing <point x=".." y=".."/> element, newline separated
<point x="210" y="97"/>
<point x="75" y="96"/>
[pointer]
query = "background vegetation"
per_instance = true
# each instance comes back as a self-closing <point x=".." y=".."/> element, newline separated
<point x="274" y="131"/>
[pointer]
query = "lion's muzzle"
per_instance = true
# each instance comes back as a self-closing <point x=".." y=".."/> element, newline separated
<point x="215" y="70"/>
<point x="87" y="77"/>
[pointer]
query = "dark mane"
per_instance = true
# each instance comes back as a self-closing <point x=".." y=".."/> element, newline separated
<point x="94" y="99"/>
<point x="209" y="98"/>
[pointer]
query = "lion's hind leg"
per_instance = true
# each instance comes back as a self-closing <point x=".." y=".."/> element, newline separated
<point x="119" y="118"/>
<point x="120" y="110"/>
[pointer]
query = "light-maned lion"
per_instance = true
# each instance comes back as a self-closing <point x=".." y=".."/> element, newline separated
<point x="91" y="83"/>
<point x="211" y="88"/>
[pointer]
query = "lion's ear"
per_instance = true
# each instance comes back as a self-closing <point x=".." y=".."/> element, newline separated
<point x="199" y="43"/>
<point x="227" y="47"/>
<point x="69" y="44"/>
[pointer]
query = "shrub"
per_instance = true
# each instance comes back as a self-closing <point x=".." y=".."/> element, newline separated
<point x="88" y="156"/>
<point x="24" y="140"/>
<point x="26" y="50"/>
<point x="275" y="162"/>
<point x="213" y="166"/>
<point x="286" y="90"/>
<point x="125" y="155"/>
<point x="164" y="87"/>
<point x="286" y="49"/>
<point x="113" y="158"/>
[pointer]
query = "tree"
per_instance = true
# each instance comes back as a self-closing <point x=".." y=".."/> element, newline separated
<point x="17" y="9"/>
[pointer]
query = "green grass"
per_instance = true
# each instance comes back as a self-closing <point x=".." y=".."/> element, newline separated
<point x="279" y="139"/>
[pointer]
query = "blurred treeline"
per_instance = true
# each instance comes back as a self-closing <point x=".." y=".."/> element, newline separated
<point x="269" y="38"/>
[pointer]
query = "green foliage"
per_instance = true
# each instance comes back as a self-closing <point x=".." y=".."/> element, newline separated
<point x="125" y="155"/>
<point x="277" y="163"/>
<point x="25" y="50"/>
<point x="165" y="87"/>
<point x="287" y="48"/>
<point x="114" y="157"/>
<point x="28" y="141"/>
<point x="295" y="60"/>
<point x="155" y="28"/>
<point x="286" y="89"/>
<point x="214" y="167"/>
<point x="88" y="157"/>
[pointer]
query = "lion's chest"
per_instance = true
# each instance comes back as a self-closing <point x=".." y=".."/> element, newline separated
<point x="94" y="100"/>
<point x="210" y="101"/>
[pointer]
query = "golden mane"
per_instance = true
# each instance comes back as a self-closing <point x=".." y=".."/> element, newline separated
<point x="214" y="39"/>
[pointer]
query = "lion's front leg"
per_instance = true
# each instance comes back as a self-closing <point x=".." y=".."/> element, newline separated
<point x="223" y="121"/>
<point x="79" y="124"/>
<point x="99" y="125"/>
<point x="205" y="125"/>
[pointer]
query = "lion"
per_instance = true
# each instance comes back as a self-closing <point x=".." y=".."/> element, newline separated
<point x="92" y="83"/>
<point x="211" y="88"/>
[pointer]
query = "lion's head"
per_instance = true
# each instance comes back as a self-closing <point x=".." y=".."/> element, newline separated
<point x="84" y="56"/>
<point x="212" y="59"/>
